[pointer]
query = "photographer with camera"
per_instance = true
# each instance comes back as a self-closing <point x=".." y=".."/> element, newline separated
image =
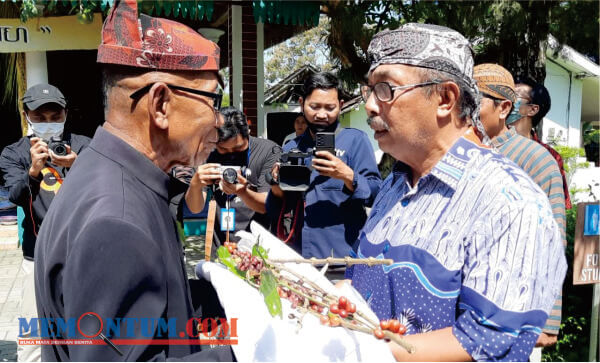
<point x="326" y="210"/>
<point x="34" y="169"/>
<point x="238" y="167"/>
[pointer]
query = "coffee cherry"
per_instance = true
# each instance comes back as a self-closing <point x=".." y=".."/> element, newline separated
<point x="351" y="308"/>
<point x="343" y="313"/>
<point x="394" y="326"/>
<point x="334" y="309"/>
<point x="334" y="320"/>
<point x="324" y="320"/>
<point x="402" y="330"/>
<point x="378" y="333"/>
<point x="342" y="302"/>
<point x="384" y="324"/>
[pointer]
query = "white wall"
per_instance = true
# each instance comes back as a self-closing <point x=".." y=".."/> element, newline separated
<point x="357" y="118"/>
<point x="565" y="112"/>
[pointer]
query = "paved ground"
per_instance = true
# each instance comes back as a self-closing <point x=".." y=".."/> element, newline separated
<point x="11" y="285"/>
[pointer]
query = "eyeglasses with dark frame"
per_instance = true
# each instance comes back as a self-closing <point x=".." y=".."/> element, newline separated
<point x="217" y="98"/>
<point x="385" y="92"/>
<point x="496" y="100"/>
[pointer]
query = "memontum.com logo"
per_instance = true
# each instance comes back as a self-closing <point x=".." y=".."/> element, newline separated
<point x="95" y="330"/>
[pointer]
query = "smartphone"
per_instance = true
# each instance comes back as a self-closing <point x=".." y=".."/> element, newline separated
<point x="325" y="141"/>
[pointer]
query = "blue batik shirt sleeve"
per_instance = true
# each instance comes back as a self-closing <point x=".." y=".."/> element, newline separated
<point x="513" y="271"/>
<point x="367" y="179"/>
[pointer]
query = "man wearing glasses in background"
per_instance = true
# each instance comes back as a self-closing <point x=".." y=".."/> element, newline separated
<point x="109" y="244"/>
<point x="478" y="258"/>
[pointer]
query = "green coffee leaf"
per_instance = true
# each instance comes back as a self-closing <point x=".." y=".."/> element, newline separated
<point x="268" y="287"/>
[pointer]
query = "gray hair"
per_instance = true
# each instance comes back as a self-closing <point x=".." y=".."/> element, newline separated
<point x="112" y="74"/>
<point x="469" y="99"/>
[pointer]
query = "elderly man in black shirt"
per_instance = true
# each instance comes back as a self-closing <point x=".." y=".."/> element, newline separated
<point x="109" y="244"/>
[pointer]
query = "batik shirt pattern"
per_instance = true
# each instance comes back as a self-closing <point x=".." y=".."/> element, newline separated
<point x="475" y="248"/>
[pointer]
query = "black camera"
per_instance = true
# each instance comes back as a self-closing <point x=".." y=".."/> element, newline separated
<point x="57" y="146"/>
<point x="294" y="176"/>
<point x="230" y="173"/>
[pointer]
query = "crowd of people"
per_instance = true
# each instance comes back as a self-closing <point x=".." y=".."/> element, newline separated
<point x="472" y="214"/>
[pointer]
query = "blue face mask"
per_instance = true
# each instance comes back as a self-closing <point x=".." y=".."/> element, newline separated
<point x="514" y="114"/>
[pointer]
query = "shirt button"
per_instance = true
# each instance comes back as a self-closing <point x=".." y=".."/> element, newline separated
<point x="404" y="202"/>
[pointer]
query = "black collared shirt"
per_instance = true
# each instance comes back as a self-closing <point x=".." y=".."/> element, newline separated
<point x="109" y="245"/>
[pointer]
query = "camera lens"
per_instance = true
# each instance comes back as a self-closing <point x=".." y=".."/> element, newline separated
<point x="59" y="149"/>
<point x="230" y="175"/>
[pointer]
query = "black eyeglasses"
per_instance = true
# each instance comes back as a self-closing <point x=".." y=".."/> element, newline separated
<point x="385" y="92"/>
<point x="496" y="100"/>
<point x="217" y="98"/>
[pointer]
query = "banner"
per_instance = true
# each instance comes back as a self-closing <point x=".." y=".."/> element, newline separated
<point x="586" y="260"/>
<point x="52" y="33"/>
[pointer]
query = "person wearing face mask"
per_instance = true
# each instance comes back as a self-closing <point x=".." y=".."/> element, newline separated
<point x="327" y="217"/>
<point x="245" y="199"/>
<point x="532" y="105"/>
<point x="33" y="173"/>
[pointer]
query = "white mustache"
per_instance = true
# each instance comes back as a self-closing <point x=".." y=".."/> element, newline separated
<point x="377" y="124"/>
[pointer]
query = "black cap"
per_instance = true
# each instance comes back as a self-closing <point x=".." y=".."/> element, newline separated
<point x="41" y="94"/>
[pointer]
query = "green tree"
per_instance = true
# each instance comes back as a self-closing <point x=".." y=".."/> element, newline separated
<point x="511" y="33"/>
<point x="309" y="47"/>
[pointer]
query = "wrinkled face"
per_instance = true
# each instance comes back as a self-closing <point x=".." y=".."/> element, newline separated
<point x="322" y="106"/>
<point x="193" y="121"/>
<point x="50" y="112"/>
<point x="404" y="124"/>
<point x="300" y="125"/>
<point x="234" y="145"/>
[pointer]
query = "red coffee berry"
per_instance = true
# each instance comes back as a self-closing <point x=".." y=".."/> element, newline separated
<point x="394" y="326"/>
<point x="324" y="320"/>
<point x="334" y="308"/>
<point x="351" y="308"/>
<point x="343" y="313"/>
<point x="402" y="330"/>
<point x="342" y="302"/>
<point x="384" y="324"/>
<point x="378" y="333"/>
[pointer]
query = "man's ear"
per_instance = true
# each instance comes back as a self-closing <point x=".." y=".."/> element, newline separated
<point x="533" y="110"/>
<point x="341" y="104"/>
<point x="301" y="102"/>
<point x="505" y="107"/>
<point x="158" y="101"/>
<point x="447" y="98"/>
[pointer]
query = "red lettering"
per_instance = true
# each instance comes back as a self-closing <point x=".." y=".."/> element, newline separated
<point x="214" y="327"/>
<point x="189" y="327"/>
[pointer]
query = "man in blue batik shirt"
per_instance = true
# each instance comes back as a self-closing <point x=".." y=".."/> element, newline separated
<point x="327" y="217"/>
<point x="478" y="257"/>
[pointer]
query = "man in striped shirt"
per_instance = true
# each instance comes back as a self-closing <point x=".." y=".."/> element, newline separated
<point x="533" y="106"/>
<point x="498" y="90"/>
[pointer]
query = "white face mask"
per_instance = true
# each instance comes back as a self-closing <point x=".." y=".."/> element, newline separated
<point x="45" y="130"/>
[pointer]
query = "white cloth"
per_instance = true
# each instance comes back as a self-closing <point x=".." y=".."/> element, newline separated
<point x="28" y="353"/>
<point x="262" y="337"/>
